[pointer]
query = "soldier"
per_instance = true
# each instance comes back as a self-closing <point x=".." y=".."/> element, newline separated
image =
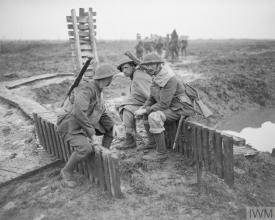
<point x="174" y="45"/>
<point x="139" y="92"/>
<point x="166" y="103"/>
<point x="159" y="45"/>
<point x="84" y="116"/>
<point x="183" y="45"/>
<point x="139" y="50"/>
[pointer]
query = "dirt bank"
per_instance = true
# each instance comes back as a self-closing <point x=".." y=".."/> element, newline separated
<point x="230" y="75"/>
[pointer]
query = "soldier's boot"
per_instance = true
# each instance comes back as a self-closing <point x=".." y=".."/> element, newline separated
<point x="151" y="144"/>
<point x="130" y="142"/>
<point x="161" y="152"/>
<point x="67" y="171"/>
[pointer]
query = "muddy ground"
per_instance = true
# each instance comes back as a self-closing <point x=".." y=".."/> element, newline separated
<point x="231" y="76"/>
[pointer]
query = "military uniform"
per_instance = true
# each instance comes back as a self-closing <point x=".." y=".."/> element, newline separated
<point x="165" y="103"/>
<point x="84" y="116"/>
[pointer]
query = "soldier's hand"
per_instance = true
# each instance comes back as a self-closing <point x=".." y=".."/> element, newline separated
<point x="140" y="112"/>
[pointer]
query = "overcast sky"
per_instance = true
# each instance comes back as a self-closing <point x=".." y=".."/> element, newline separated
<point x="122" y="19"/>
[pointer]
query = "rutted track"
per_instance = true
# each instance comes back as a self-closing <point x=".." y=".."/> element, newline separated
<point x="20" y="152"/>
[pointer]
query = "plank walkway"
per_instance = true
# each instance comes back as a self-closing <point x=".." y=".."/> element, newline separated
<point x="11" y="169"/>
<point x="28" y="80"/>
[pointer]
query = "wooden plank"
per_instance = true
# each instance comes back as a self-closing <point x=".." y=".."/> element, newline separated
<point x="188" y="140"/>
<point x="106" y="172"/>
<point x="197" y="152"/>
<point x="81" y="41"/>
<point x="91" y="167"/>
<point x="181" y="139"/>
<point x="114" y="176"/>
<point x="38" y="129"/>
<point x="92" y="33"/>
<point x="48" y="147"/>
<point x="79" y="19"/>
<point x="211" y="139"/>
<point x="55" y="145"/>
<point x="86" y="47"/>
<point x="99" y="168"/>
<point x="76" y="37"/>
<point x="97" y="164"/>
<point x="61" y="144"/>
<point x="42" y="132"/>
<point x="48" y="129"/>
<point x="228" y="162"/>
<point x="218" y="154"/>
<point x="205" y="146"/>
<point x="80" y="33"/>
<point x="103" y="184"/>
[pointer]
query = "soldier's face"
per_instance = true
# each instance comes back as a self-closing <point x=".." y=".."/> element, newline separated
<point x="127" y="69"/>
<point x="105" y="82"/>
<point x="152" y="69"/>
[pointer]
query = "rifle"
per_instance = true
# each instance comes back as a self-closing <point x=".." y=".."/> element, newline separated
<point x="136" y="60"/>
<point x="77" y="79"/>
<point x="194" y="95"/>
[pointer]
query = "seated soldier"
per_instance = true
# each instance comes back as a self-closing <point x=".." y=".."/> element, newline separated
<point x="167" y="101"/>
<point x="84" y="116"/>
<point x="139" y="92"/>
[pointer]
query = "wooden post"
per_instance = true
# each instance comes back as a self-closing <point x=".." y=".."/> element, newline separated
<point x="45" y="130"/>
<point x="205" y="146"/>
<point x="55" y="146"/>
<point x="106" y="172"/>
<point x="218" y="154"/>
<point x="92" y="33"/>
<point x="228" y="161"/>
<point x="212" y="150"/>
<point x="114" y="176"/>
<point x="61" y="144"/>
<point x="76" y="40"/>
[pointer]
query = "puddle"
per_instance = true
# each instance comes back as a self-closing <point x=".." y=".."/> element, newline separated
<point x="257" y="126"/>
<point x="262" y="138"/>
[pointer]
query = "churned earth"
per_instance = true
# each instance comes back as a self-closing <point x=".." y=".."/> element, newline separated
<point x="231" y="76"/>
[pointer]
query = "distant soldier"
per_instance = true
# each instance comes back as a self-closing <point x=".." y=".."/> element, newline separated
<point x="139" y="92"/>
<point x="85" y="116"/>
<point x="139" y="50"/>
<point x="159" y="46"/>
<point x="174" y="45"/>
<point x="147" y="45"/>
<point x="167" y="49"/>
<point x="183" y="45"/>
<point x="168" y="101"/>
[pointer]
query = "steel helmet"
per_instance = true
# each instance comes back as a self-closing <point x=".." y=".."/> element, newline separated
<point x="151" y="58"/>
<point x="125" y="61"/>
<point x="104" y="70"/>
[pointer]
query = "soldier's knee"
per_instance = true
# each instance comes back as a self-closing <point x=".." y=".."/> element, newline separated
<point x="156" y="117"/>
<point x="84" y="150"/>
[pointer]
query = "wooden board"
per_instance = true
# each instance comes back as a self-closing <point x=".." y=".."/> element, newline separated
<point x="28" y="80"/>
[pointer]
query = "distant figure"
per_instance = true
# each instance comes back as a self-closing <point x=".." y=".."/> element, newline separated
<point x="147" y="45"/>
<point x="159" y="46"/>
<point x="139" y="50"/>
<point x="167" y="40"/>
<point x="183" y="42"/>
<point x="174" y="45"/>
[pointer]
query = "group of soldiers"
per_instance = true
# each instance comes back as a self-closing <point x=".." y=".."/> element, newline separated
<point x="156" y="96"/>
<point x="172" y="45"/>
